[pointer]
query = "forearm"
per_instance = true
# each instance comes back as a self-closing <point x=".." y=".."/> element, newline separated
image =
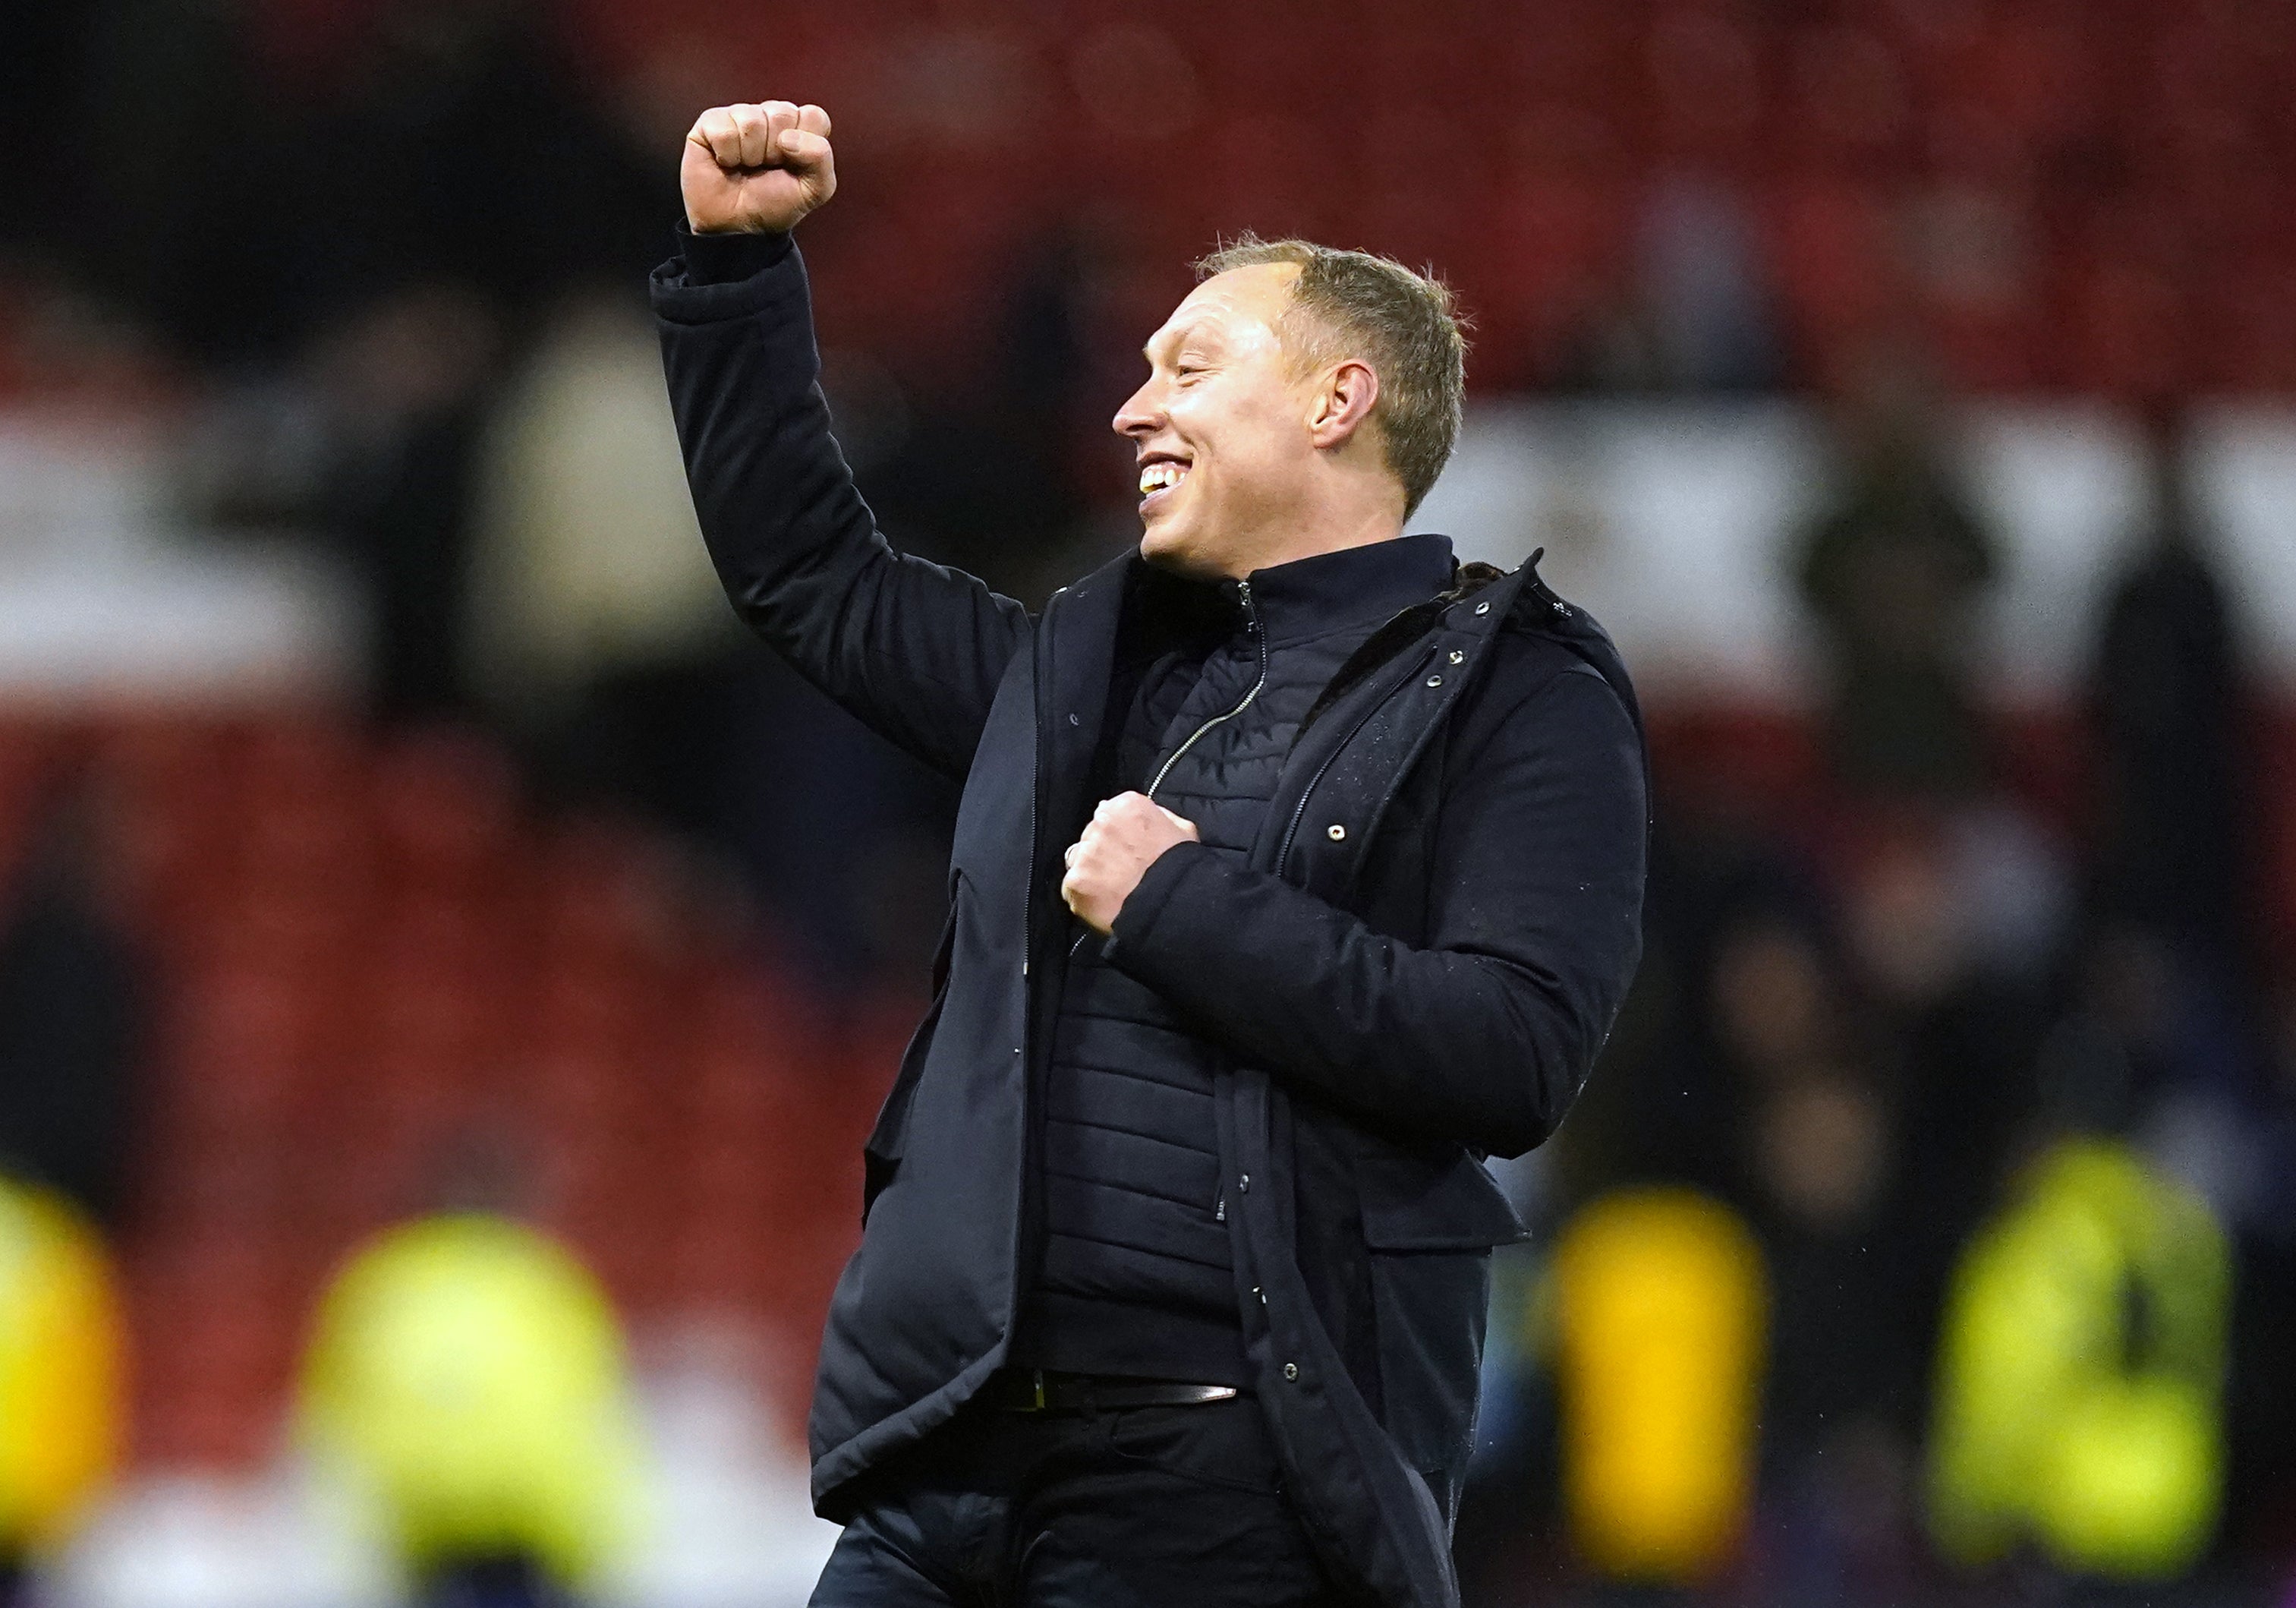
<point x="1468" y="1046"/>
<point x="913" y="648"/>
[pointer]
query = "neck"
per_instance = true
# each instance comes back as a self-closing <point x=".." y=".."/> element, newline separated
<point x="1326" y="530"/>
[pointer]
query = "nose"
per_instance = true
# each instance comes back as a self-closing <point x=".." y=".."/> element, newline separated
<point x="1141" y="414"/>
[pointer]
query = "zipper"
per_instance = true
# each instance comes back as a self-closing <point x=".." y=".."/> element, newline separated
<point x="1035" y="785"/>
<point x="1024" y="1251"/>
<point x="1251" y="625"/>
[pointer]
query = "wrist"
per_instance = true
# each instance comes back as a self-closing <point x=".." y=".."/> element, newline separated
<point x="722" y="256"/>
<point x="1135" y="918"/>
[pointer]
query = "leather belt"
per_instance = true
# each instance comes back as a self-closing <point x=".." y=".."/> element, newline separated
<point x="1050" y="1391"/>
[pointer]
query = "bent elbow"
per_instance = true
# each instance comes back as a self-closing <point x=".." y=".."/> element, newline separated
<point x="1545" y="1066"/>
<point x="1527" y="1122"/>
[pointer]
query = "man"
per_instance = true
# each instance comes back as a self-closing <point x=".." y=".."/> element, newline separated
<point x="1297" y="869"/>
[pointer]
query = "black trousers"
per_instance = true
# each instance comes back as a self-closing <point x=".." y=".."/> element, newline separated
<point x="1130" y="1508"/>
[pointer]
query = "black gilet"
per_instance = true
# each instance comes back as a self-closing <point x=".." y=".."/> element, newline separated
<point x="1211" y="682"/>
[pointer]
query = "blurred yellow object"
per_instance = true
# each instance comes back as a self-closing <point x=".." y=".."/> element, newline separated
<point x="60" y="1367"/>
<point x="2081" y="1371"/>
<point x="468" y="1376"/>
<point x="1660" y="1306"/>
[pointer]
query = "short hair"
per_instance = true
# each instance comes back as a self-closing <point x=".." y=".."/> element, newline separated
<point x="1404" y="324"/>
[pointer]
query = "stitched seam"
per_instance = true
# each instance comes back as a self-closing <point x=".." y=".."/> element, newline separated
<point x="1135" y="1133"/>
<point x="1151" y="1194"/>
<point x="1120" y="1071"/>
<point x="1168" y="1256"/>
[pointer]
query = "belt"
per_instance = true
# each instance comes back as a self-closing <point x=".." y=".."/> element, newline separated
<point x="1050" y="1391"/>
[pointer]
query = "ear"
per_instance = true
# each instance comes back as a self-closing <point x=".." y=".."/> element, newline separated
<point x="1342" y="403"/>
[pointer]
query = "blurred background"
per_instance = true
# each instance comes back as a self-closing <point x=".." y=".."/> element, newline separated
<point x="447" y="972"/>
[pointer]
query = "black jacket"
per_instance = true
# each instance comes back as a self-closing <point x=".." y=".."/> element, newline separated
<point x="1416" y="966"/>
<point x="1211" y="681"/>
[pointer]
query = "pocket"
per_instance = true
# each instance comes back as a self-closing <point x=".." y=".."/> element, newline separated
<point x="1442" y="1200"/>
<point x="1429" y="1224"/>
<point x="880" y="1153"/>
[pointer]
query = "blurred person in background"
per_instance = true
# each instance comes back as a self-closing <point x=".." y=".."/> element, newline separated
<point x="594" y="621"/>
<point x="2170" y="1042"/>
<point x="408" y="379"/>
<point x="74" y="1029"/>
<point x="2081" y="1373"/>
<point x="1951" y="1022"/>
<point x="466" y="1384"/>
<point x="62" y="1377"/>
<point x="1660" y="1310"/>
<point x="1817" y="1171"/>
<point x="1079" y="1269"/>
<point x="596" y="633"/>
<point x="2167" y="702"/>
<point x="1892" y="571"/>
<point x="1696" y="314"/>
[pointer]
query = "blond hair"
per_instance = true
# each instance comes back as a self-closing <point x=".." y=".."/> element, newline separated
<point x="1404" y="324"/>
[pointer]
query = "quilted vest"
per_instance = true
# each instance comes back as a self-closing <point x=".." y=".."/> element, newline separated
<point x="1211" y="683"/>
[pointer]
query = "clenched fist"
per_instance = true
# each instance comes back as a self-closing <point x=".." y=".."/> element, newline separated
<point x="1121" y="840"/>
<point x="755" y="169"/>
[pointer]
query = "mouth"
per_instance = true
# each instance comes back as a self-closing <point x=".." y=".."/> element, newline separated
<point x="1161" y="475"/>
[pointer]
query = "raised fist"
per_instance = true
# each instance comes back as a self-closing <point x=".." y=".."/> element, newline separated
<point x="755" y="169"/>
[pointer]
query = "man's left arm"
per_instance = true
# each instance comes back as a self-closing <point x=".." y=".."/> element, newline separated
<point x="1483" y="1035"/>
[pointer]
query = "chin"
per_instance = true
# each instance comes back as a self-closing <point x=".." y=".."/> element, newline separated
<point x="1165" y="543"/>
<point x="1181" y="550"/>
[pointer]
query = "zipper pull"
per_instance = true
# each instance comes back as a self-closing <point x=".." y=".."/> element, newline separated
<point x="1219" y="1207"/>
<point x="1251" y="614"/>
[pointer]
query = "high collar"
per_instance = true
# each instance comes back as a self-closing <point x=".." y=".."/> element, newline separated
<point x="1352" y="585"/>
<point x="1320" y="593"/>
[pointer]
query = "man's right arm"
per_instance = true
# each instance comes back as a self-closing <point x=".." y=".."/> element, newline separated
<point x="913" y="649"/>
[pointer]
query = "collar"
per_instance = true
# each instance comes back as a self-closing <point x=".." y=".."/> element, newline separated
<point x="1353" y="586"/>
<point x="1293" y="601"/>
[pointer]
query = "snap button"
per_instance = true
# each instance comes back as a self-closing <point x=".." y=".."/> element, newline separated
<point x="1291" y="1370"/>
<point x="1456" y="657"/>
<point x="1335" y="832"/>
<point x="1074" y="721"/>
<point x="1483" y="607"/>
<point x="1434" y="681"/>
<point x="1244" y="1183"/>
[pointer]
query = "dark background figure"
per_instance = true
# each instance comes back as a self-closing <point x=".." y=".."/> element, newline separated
<point x="409" y="375"/>
<point x="2181" y="1047"/>
<point x="2170" y="715"/>
<point x="74" y="999"/>
<point x="1892" y="571"/>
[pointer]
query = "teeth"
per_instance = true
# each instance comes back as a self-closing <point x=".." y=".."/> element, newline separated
<point x="1160" y="476"/>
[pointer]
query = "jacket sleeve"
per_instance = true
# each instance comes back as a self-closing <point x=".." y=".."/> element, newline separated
<point x="1483" y="1035"/>
<point x="913" y="649"/>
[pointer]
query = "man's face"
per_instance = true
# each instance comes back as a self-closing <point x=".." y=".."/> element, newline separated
<point x="1221" y="429"/>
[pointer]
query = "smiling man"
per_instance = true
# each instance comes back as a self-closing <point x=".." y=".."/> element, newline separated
<point x="1299" y="868"/>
